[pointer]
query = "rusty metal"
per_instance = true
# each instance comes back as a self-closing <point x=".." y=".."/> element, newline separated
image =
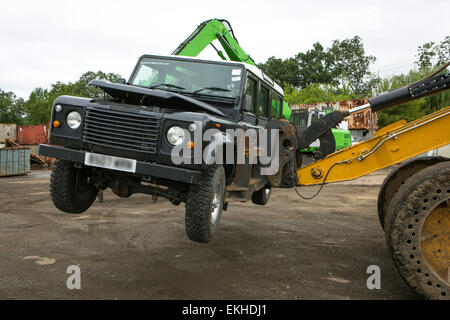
<point x="32" y="156"/>
<point x="7" y="131"/>
<point x="365" y="120"/>
<point x="32" y="134"/>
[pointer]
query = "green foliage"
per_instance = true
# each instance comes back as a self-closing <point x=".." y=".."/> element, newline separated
<point x="351" y="65"/>
<point x="39" y="104"/>
<point x="11" y="108"/>
<point x="282" y="71"/>
<point x="413" y="109"/>
<point x="315" y="93"/>
<point x="344" y="65"/>
<point x="431" y="55"/>
<point x="316" y="66"/>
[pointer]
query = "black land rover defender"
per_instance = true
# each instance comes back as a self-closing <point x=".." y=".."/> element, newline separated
<point x="124" y="141"/>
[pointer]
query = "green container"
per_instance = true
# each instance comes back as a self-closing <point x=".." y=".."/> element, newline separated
<point x="14" y="161"/>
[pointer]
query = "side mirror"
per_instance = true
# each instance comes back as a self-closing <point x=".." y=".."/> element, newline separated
<point x="247" y="103"/>
<point x="122" y="81"/>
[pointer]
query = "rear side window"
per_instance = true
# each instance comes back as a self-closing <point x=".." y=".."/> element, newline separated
<point x="250" y="91"/>
<point x="262" y="102"/>
<point x="275" y="106"/>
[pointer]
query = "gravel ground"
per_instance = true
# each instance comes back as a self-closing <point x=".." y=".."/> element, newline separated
<point x="137" y="249"/>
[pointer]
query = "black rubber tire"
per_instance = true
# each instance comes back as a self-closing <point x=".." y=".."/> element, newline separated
<point x="66" y="195"/>
<point x="198" y="223"/>
<point x="397" y="177"/>
<point x="261" y="197"/>
<point x="404" y="219"/>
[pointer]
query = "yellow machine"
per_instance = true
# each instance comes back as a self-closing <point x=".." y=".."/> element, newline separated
<point x="414" y="200"/>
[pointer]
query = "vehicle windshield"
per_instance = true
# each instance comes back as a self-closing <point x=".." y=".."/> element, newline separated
<point x="194" y="77"/>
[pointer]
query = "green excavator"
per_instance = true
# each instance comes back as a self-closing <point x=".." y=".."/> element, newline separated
<point x="221" y="30"/>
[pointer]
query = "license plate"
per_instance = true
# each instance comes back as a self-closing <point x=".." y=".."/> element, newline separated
<point x="109" y="162"/>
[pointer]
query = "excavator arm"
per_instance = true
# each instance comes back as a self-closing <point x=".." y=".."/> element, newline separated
<point x="206" y="33"/>
<point x="390" y="145"/>
<point x="221" y="30"/>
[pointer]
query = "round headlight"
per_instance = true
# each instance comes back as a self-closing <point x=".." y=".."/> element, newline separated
<point x="73" y="120"/>
<point x="58" y="108"/>
<point x="175" y="135"/>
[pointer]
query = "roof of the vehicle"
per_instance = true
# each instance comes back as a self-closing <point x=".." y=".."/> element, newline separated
<point x="255" y="70"/>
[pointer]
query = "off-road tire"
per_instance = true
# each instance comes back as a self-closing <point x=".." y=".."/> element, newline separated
<point x="199" y="205"/>
<point x="397" y="177"/>
<point x="65" y="193"/>
<point x="407" y="212"/>
<point x="261" y="197"/>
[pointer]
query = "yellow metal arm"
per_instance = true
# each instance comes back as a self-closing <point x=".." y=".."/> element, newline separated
<point x="392" y="144"/>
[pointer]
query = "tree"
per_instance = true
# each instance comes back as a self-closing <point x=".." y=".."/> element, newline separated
<point x="344" y="65"/>
<point x="316" y="66"/>
<point x="414" y="109"/>
<point x="351" y="66"/>
<point x="431" y="55"/>
<point x="11" y="108"/>
<point x="282" y="71"/>
<point x="314" y="93"/>
<point x="40" y="102"/>
<point x="38" y="106"/>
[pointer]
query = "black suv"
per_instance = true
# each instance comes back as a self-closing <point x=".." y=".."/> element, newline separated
<point x="125" y="140"/>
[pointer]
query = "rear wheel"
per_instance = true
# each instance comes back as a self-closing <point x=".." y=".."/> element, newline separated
<point x="261" y="196"/>
<point x="70" y="189"/>
<point x="204" y="205"/>
<point x="417" y="229"/>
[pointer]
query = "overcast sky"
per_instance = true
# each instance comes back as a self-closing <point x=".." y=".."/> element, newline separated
<point x="47" y="41"/>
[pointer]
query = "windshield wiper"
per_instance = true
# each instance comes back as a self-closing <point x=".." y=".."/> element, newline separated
<point x="211" y="89"/>
<point x="167" y="85"/>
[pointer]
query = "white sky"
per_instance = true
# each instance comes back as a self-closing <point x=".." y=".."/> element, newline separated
<point x="42" y="42"/>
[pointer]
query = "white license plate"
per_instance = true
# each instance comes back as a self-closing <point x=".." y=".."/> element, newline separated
<point x="109" y="162"/>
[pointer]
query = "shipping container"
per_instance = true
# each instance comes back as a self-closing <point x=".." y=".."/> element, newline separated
<point x="14" y="161"/>
<point x="32" y="134"/>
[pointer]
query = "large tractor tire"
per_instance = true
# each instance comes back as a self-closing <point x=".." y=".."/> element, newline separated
<point x="70" y="189"/>
<point x="417" y="230"/>
<point x="204" y="205"/>
<point x="397" y="177"/>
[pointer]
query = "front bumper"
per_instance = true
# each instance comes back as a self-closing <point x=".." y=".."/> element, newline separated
<point x="142" y="168"/>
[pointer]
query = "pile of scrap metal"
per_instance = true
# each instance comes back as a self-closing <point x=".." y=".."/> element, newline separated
<point x="34" y="158"/>
<point x="362" y="125"/>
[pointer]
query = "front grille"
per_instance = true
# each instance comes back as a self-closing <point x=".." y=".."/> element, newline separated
<point x="128" y="131"/>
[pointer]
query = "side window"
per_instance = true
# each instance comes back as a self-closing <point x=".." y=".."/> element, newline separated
<point x="284" y="106"/>
<point x="250" y="93"/>
<point x="275" y="106"/>
<point x="262" y="102"/>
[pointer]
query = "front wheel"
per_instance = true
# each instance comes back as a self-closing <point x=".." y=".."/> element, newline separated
<point x="417" y="226"/>
<point x="70" y="189"/>
<point x="204" y="205"/>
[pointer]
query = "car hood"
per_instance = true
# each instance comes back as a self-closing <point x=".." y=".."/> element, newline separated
<point x="153" y="97"/>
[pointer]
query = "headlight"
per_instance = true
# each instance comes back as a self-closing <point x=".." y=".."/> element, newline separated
<point x="175" y="135"/>
<point x="58" y="108"/>
<point x="73" y="120"/>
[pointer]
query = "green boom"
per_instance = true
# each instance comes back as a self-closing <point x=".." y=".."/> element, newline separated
<point x="219" y="29"/>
